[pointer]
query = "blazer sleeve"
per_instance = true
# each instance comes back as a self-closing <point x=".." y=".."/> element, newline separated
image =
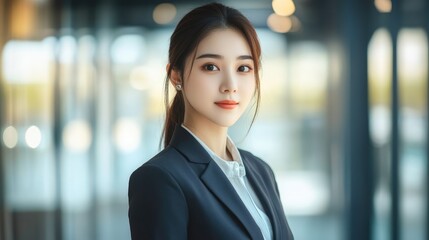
<point x="157" y="205"/>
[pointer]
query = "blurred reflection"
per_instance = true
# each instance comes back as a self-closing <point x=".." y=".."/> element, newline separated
<point x="283" y="7"/>
<point x="10" y="137"/>
<point x="33" y="136"/>
<point x="127" y="135"/>
<point x="82" y="107"/>
<point x="308" y="88"/>
<point x="313" y="192"/>
<point x="26" y="62"/>
<point x="77" y="136"/>
<point x="383" y="6"/>
<point x="308" y="102"/>
<point x="379" y="81"/>
<point x="164" y="13"/>
<point x="280" y="24"/>
<point x="28" y="165"/>
<point x="413" y="77"/>
<point x="109" y="125"/>
<point x="128" y="49"/>
<point x="141" y="78"/>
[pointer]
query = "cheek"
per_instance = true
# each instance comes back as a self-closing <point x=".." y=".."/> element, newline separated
<point x="204" y="83"/>
<point x="198" y="87"/>
<point x="249" y="86"/>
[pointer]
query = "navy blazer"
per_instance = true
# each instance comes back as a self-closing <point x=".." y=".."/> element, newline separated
<point x="181" y="193"/>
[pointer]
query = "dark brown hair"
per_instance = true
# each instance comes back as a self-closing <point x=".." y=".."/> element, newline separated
<point x="189" y="32"/>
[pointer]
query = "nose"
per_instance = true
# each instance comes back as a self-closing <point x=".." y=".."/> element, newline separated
<point x="229" y="84"/>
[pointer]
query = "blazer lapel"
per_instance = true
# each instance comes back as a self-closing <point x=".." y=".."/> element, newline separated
<point x="214" y="179"/>
<point x="261" y="191"/>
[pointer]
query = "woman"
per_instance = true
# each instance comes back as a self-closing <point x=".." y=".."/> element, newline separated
<point x="201" y="186"/>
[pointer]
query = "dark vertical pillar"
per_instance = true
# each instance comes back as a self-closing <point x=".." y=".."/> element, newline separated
<point x="93" y="212"/>
<point x="427" y="136"/>
<point x="395" y="187"/>
<point x="56" y="18"/>
<point x="2" y="102"/>
<point x="4" y="217"/>
<point x="104" y="153"/>
<point x="355" y="30"/>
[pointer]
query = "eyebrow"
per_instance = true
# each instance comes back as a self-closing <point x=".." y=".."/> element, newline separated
<point x="217" y="56"/>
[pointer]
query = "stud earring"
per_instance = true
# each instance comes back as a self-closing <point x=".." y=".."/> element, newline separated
<point x="178" y="87"/>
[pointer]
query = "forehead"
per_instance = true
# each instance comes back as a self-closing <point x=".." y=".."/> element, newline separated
<point x="225" y="42"/>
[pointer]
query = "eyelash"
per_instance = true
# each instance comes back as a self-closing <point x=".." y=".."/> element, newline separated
<point x="204" y="67"/>
<point x="245" y="66"/>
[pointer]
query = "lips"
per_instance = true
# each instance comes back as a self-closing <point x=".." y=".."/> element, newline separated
<point x="227" y="104"/>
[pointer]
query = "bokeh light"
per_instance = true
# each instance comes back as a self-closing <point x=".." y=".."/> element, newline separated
<point x="33" y="137"/>
<point x="279" y="23"/>
<point x="283" y="7"/>
<point x="77" y="136"/>
<point x="164" y="13"/>
<point x="127" y="134"/>
<point x="383" y="6"/>
<point x="10" y="137"/>
<point x="128" y="49"/>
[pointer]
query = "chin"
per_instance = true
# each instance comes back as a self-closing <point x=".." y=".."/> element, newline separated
<point x="226" y="123"/>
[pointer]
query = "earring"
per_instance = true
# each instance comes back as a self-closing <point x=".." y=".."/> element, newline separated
<point x="178" y="87"/>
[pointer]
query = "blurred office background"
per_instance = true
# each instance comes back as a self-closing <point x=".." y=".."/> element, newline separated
<point x="343" y="120"/>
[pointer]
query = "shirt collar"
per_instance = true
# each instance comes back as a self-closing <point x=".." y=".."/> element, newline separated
<point x="234" y="168"/>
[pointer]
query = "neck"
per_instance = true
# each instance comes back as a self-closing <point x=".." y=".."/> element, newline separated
<point x="214" y="136"/>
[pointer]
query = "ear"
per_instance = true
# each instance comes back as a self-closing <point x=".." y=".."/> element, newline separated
<point x="174" y="76"/>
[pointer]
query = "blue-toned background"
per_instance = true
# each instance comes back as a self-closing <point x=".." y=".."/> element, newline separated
<point x="343" y="120"/>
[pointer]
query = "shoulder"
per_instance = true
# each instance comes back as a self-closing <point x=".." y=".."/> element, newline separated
<point x="165" y="164"/>
<point x="169" y="158"/>
<point x="156" y="199"/>
<point x="161" y="176"/>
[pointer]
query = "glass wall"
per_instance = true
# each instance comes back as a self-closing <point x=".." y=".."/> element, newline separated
<point x="413" y="123"/>
<point x="412" y="76"/>
<point x="380" y="77"/>
<point x="82" y="106"/>
<point x="26" y="132"/>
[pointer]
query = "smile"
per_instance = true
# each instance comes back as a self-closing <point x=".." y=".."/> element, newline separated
<point x="227" y="104"/>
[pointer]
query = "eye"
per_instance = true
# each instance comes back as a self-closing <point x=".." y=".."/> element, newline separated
<point x="244" y="68"/>
<point x="210" y="67"/>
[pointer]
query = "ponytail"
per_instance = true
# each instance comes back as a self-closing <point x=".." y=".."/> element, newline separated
<point x="174" y="115"/>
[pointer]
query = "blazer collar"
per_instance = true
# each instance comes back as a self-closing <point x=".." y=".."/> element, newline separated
<point x="214" y="179"/>
<point x="186" y="144"/>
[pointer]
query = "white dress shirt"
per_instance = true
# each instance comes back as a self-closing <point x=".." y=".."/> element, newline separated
<point x="235" y="171"/>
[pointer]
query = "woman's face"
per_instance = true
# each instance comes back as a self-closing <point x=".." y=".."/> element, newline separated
<point x="221" y="83"/>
